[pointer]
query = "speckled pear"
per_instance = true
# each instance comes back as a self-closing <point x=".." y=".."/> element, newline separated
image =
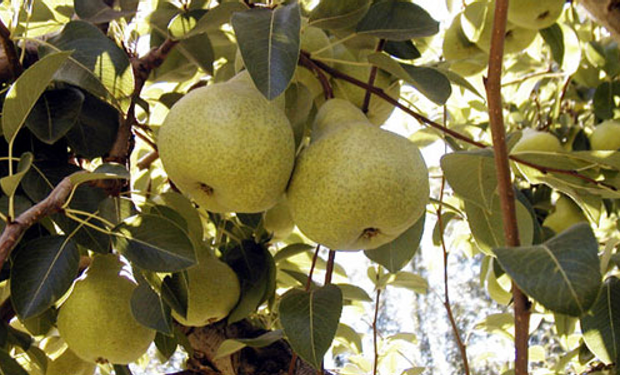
<point x="358" y="187"/>
<point x="70" y="364"/>
<point x="227" y="147"/>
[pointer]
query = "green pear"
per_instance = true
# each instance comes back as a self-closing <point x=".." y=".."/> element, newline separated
<point x="335" y="113"/>
<point x="465" y="57"/>
<point x="278" y="220"/>
<point x="535" y="14"/>
<point x="96" y="320"/>
<point x="213" y="291"/>
<point x="378" y="110"/>
<point x="566" y="214"/>
<point x="227" y="147"/>
<point x="358" y="187"/>
<point x="70" y="364"/>
<point x="533" y="140"/>
<point x="606" y="136"/>
<point x="517" y="38"/>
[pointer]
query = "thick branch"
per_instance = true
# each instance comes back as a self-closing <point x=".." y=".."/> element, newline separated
<point x="507" y="199"/>
<point x="607" y="13"/>
<point x="15" y="67"/>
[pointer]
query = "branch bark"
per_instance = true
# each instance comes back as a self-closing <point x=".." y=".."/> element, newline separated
<point x="493" y="86"/>
<point x="607" y="13"/>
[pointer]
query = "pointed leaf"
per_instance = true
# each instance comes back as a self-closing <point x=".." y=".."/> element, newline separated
<point x="42" y="272"/>
<point x="149" y="309"/>
<point x="472" y="176"/>
<point x="410" y="281"/>
<point x="55" y="114"/>
<point x="338" y="14"/>
<point x="563" y="274"/>
<point x="10" y="183"/>
<point x="292" y="250"/>
<point x="216" y="17"/>
<point x="154" y="243"/>
<point x="98" y="65"/>
<point x="24" y="93"/>
<point x="396" y="254"/>
<point x="403" y="50"/>
<point x="269" y="43"/>
<point x="397" y="20"/>
<point x="166" y="345"/>
<point x="231" y="346"/>
<point x="106" y="171"/>
<point x="310" y="320"/>
<point x="601" y="326"/>
<point x="553" y="36"/>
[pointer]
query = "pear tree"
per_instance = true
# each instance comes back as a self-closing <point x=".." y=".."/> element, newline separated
<point x="194" y="186"/>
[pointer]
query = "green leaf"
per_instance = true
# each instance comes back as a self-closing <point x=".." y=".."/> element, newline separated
<point x="97" y="64"/>
<point x="181" y="24"/>
<point x="106" y="171"/>
<point x="310" y="320"/>
<point x="42" y="272"/>
<point x="606" y="100"/>
<point x="601" y="325"/>
<point x="396" y="254"/>
<point x="338" y="14"/>
<point x="166" y="345"/>
<point x="185" y="208"/>
<point x="459" y="81"/>
<point x="403" y="50"/>
<point x="55" y="114"/>
<point x="348" y="335"/>
<point x="41" y="324"/>
<point x="231" y="346"/>
<point x="472" y="176"/>
<point x="96" y="11"/>
<point x="95" y="131"/>
<point x="291" y="251"/>
<point x="122" y="370"/>
<point x="9" y="184"/>
<point x="397" y="20"/>
<point x="150" y="310"/>
<point x="24" y="93"/>
<point x="175" y="292"/>
<point x="428" y="81"/>
<point x="216" y="17"/>
<point x="269" y="44"/>
<point x="8" y="365"/>
<point x="353" y="293"/>
<point x="555" y="39"/>
<point x="409" y="281"/>
<point x="562" y="274"/>
<point x="154" y="243"/>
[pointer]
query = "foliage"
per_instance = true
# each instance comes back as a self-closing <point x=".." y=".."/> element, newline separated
<point x="83" y="99"/>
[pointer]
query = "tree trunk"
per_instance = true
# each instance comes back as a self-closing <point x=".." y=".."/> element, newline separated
<point x="607" y="13"/>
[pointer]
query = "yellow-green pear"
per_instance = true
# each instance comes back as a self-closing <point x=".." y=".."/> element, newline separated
<point x="227" y="147"/>
<point x="606" y="136"/>
<point x="213" y="291"/>
<point x="535" y="14"/>
<point x="465" y="57"/>
<point x="566" y="214"/>
<point x="358" y="187"/>
<point x="278" y="220"/>
<point x="533" y="140"/>
<point x="96" y="320"/>
<point x="70" y="364"/>
<point x="517" y="38"/>
<point x="334" y="113"/>
<point x="378" y="110"/>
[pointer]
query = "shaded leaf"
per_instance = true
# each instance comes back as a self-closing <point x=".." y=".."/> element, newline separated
<point x="96" y="11"/>
<point x="396" y="254"/>
<point x="231" y="346"/>
<point x="405" y="50"/>
<point x="42" y="272"/>
<point x="8" y="365"/>
<point x="397" y="20"/>
<point x="310" y="320"/>
<point x="122" y="370"/>
<point x="154" y="243"/>
<point x="292" y="250"/>
<point x="26" y="90"/>
<point x="601" y="326"/>
<point x="269" y="44"/>
<point x="9" y="184"/>
<point x="55" y="114"/>
<point x="166" y="345"/>
<point x="105" y="171"/>
<point x="606" y="99"/>
<point x="338" y="14"/>
<point x="554" y="37"/>
<point x="562" y="274"/>
<point x="149" y="309"/>
<point x="216" y="17"/>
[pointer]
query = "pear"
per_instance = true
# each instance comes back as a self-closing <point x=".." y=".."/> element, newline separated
<point x="213" y="291"/>
<point x="334" y="113"/>
<point x="227" y="147"/>
<point x="606" y="136"/>
<point x="378" y="110"/>
<point x="96" y="320"/>
<point x="535" y="14"/>
<point x="465" y="57"/>
<point x="70" y="364"/>
<point x="533" y="140"/>
<point x="566" y="214"/>
<point x="517" y="38"/>
<point x="357" y="186"/>
<point x="278" y="220"/>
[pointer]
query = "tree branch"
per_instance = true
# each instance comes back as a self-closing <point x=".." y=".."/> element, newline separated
<point x="375" y="330"/>
<point x="371" y="78"/>
<point x="306" y="61"/>
<point x="15" y="67"/>
<point x="493" y="86"/>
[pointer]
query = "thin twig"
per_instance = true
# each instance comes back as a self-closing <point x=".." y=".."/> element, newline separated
<point x="329" y="270"/>
<point x="493" y="86"/>
<point x="15" y="67"/>
<point x="446" y="303"/>
<point x="148" y="159"/>
<point x="372" y="77"/>
<point x="375" y="330"/>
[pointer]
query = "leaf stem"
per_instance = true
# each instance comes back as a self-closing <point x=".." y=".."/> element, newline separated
<point x="375" y="341"/>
